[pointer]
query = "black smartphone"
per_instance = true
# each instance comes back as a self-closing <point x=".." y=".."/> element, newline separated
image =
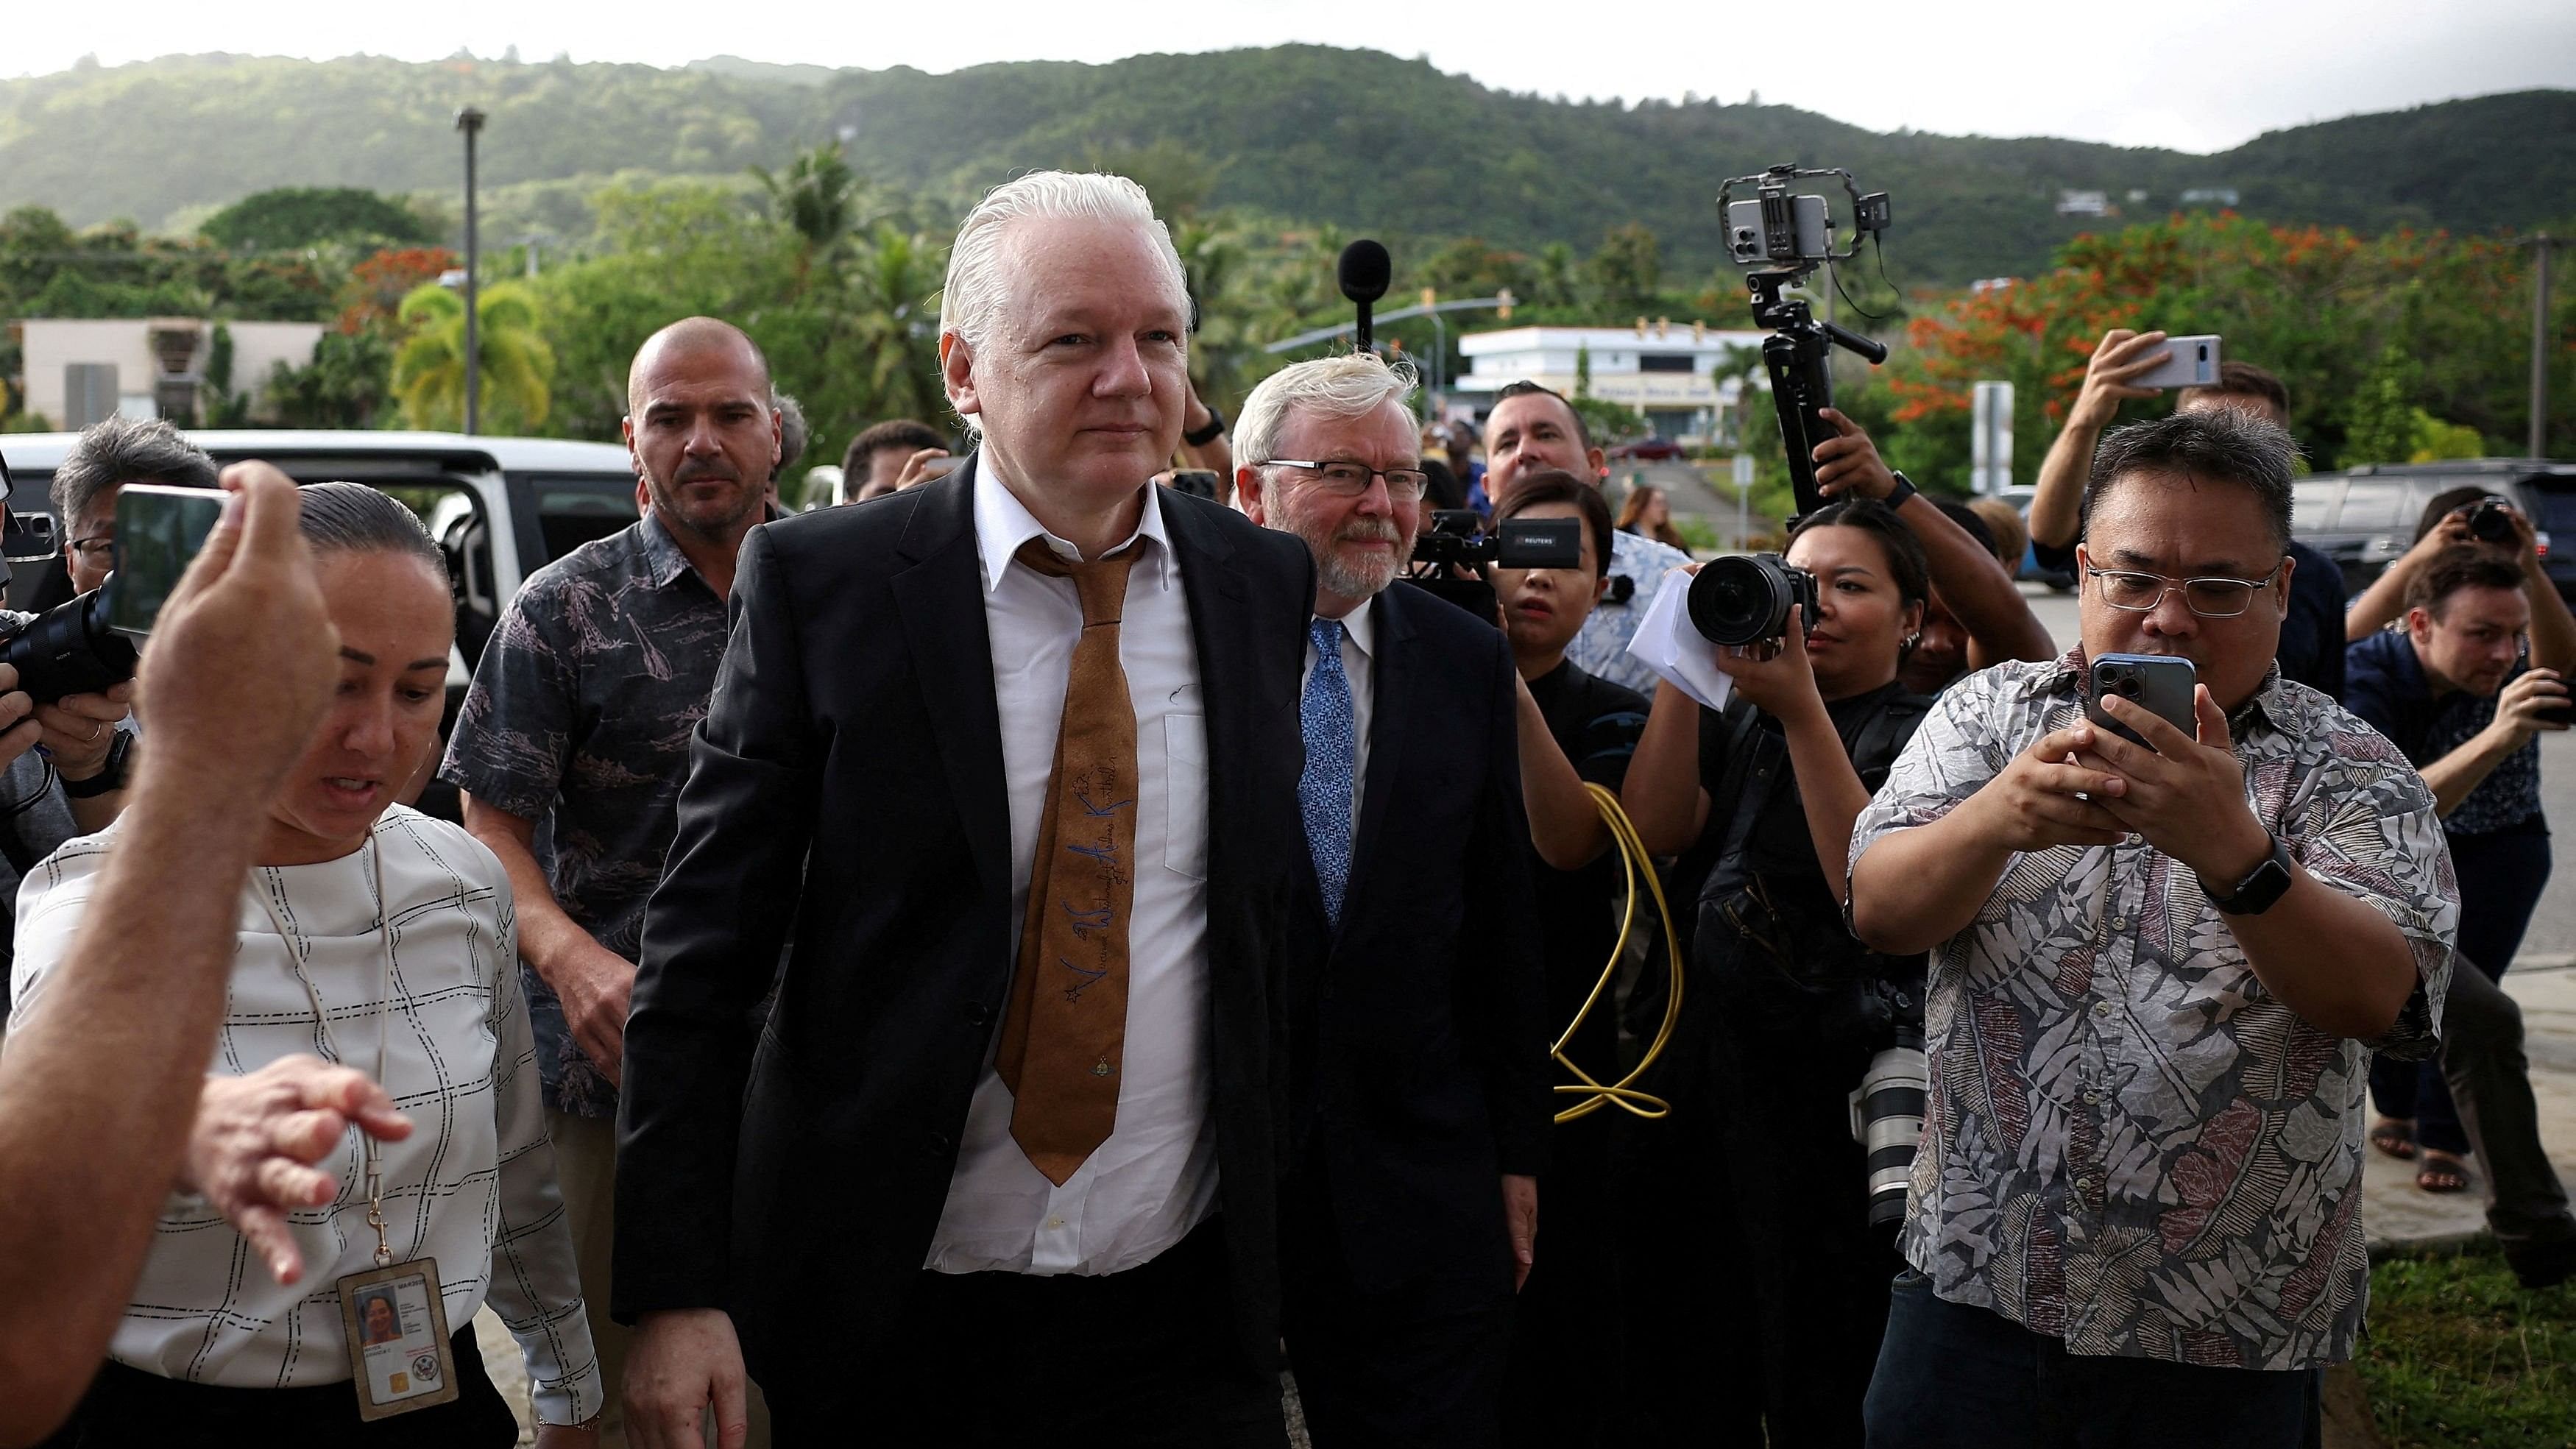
<point x="2163" y="683"/>
<point x="158" y="529"/>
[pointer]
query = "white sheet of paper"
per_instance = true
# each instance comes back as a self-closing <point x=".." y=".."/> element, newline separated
<point x="1668" y="645"/>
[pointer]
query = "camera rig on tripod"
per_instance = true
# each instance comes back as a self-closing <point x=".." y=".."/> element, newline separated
<point x="1786" y="236"/>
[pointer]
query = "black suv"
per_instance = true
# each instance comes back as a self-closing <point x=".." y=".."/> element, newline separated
<point x="2364" y="518"/>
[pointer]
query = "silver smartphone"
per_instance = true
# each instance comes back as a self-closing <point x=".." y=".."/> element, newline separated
<point x="2189" y="362"/>
<point x="2161" y="682"/>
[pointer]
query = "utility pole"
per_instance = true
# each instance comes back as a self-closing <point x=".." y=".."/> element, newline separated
<point x="470" y="121"/>
<point x="2541" y="246"/>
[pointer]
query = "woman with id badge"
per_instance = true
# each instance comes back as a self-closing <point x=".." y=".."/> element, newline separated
<point x="372" y="1342"/>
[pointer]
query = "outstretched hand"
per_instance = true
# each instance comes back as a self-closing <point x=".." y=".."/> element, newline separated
<point x="252" y="1147"/>
<point x="2122" y="355"/>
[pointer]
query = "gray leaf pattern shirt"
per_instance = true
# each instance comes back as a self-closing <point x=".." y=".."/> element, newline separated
<point x="2130" y="1145"/>
<point x="580" y="718"/>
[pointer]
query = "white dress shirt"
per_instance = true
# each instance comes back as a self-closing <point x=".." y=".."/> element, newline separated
<point x="472" y="1187"/>
<point x="1359" y="654"/>
<point x="1154" y="1178"/>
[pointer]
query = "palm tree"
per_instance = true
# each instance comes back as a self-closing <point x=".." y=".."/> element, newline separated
<point x="893" y="284"/>
<point x="1216" y="264"/>
<point x="819" y="198"/>
<point x="429" y="369"/>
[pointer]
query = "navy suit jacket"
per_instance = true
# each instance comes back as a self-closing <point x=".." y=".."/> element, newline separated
<point x="1422" y="1044"/>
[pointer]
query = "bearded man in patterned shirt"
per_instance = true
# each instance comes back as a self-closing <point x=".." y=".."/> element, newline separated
<point x="574" y="742"/>
<point x="2160" y="971"/>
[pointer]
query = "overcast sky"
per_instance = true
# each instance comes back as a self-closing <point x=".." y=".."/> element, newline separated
<point x="2198" y="75"/>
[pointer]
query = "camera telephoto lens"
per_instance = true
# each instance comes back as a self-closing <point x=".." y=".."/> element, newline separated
<point x="1738" y="600"/>
<point x="1887" y="1120"/>
<point x="1741" y="600"/>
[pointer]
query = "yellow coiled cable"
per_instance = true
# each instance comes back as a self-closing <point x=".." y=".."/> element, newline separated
<point x="1623" y="1093"/>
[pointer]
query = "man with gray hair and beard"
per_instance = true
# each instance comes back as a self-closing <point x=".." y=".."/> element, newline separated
<point x="1420" y="1103"/>
<point x="1014" y="756"/>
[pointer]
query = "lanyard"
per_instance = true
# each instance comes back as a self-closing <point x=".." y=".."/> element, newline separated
<point x="272" y="886"/>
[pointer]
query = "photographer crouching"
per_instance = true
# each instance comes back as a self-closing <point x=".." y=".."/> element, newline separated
<point x="1752" y="1240"/>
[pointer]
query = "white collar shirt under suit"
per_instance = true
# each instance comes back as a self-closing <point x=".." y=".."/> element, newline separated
<point x="1154" y="1178"/>
<point x="473" y="1186"/>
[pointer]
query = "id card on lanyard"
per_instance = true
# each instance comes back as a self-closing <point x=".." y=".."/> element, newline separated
<point x="392" y="1315"/>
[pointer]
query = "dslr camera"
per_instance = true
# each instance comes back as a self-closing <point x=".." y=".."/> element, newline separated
<point x="1747" y="599"/>
<point x="68" y="649"/>
<point x="2490" y="519"/>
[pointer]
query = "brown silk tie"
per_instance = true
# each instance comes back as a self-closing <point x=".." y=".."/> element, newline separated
<point x="1064" y="1038"/>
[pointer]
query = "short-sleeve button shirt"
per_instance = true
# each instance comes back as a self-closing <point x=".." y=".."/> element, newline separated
<point x="580" y="718"/>
<point x="1600" y="648"/>
<point x="2130" y="1144"/>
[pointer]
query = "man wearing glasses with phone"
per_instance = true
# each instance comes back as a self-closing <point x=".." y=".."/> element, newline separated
<point x="2160" y="970"/>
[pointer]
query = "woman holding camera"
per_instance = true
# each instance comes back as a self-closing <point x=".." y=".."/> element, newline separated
<point x="381" y="939"/>
<point x="1751" y="1247"/>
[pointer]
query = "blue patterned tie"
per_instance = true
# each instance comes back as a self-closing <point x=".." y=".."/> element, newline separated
<point x="1325" y="788"/>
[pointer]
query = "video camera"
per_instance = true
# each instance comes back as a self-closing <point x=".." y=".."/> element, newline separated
<point x="1788" y="235"/>
<point x="1450" y="559"/>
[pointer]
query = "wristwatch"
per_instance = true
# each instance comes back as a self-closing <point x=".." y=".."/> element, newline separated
<point x="1903" y="490"/>
<point x="1201" y="437"/>
<point x="2255" y="894"/>
<point x="111" y="775"/>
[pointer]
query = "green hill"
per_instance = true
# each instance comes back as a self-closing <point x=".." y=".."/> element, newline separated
<point x="1358" y="138"/>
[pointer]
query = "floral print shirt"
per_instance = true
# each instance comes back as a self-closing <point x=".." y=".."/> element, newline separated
<point x="2130" y="1145"/>
<point x="579" y="719"/>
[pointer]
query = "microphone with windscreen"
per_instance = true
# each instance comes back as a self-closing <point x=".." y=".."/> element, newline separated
<point x="1363" y="273"/>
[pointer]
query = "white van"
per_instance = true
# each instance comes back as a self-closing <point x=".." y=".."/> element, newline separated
<point x="501" y="508"/>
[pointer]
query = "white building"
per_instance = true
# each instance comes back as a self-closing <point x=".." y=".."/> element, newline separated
<point x="1666" y="370"/>
<point x="81" y="372"/>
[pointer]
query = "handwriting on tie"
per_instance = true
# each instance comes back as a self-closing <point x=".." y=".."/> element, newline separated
<point x="1086" y="975"/>
<point x="1093" y="925"/>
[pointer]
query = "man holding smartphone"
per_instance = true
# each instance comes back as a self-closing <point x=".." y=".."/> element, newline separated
<point x="2122" y="369"/>
<point x="2159" y="973"/>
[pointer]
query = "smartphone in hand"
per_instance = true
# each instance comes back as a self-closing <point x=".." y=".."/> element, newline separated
<point x="2164" y="683"/>
<point x="158" y="529"/>
<point x="2189" y="362"/>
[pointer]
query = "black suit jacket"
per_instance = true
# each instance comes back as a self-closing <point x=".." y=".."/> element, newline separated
<point x="847" y="783"/>
<point x="1422" y="1044"/>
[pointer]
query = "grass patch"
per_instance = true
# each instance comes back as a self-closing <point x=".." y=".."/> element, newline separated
<point x="2458" y="1354"/>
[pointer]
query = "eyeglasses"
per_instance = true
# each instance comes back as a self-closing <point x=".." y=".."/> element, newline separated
<point x="2210" y="598"/>
<point x="1349" y="478"/>
<point x="98" y="548"/>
